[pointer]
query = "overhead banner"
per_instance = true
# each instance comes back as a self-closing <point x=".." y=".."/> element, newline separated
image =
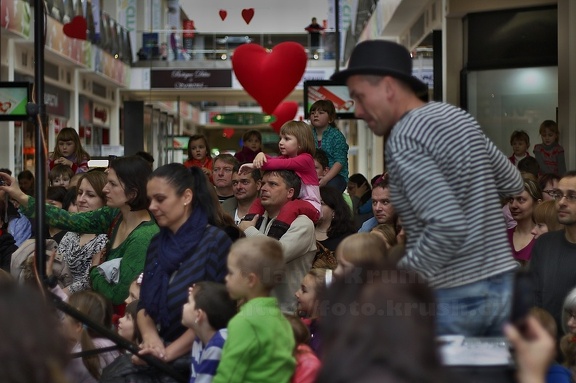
<point x="191" y="78"/>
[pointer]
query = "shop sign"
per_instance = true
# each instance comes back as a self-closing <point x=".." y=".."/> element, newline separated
<point x="191" y="78"/>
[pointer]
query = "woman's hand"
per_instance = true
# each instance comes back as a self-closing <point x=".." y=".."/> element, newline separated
<point x="10" y="186"/>
<point x="260" y="160"/>
<point x="151" y="345"/>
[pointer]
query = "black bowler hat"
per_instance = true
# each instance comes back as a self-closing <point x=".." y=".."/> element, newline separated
<point x="384" y="58"/>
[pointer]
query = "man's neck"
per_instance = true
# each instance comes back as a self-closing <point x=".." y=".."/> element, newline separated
<point x="570" y="233"/>
<point x="224" y="192"/>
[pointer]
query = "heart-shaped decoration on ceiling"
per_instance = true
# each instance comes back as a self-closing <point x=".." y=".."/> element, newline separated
<point x="77" y="28"/>
<point x="223" y="14"/>
<point x="269" y="76"/>
<point x="284" y="112"/>
<point x="248" y="14"/>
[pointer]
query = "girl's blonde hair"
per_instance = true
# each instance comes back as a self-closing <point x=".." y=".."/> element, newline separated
<point x="303" y="134"/>
<point x="69" y="134"/>
<point x="97" y="308"/>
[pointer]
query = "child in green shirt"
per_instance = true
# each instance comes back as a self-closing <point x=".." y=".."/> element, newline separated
<point x="260" y="341"/>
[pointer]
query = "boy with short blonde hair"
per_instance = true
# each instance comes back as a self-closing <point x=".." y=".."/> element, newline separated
<point x="260" y="342"/>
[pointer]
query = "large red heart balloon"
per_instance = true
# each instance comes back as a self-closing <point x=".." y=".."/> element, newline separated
<point x="77" y="28"/>
<point x="223" y="14"/>
<point x="248" y="14"/>
<point x="269" y="76"/>
<point x="284" y="112"/>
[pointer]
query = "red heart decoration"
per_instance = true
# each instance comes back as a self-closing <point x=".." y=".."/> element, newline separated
<point x="248" y="14"/>
<point x="284" y="112"/>
<point x="77" y="28"/>
<point x="269" y="76"/>
<point x="227" y="133"/>
<point x="223" y="14"/>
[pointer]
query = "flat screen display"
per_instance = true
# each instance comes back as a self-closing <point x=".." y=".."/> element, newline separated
<point x="13" y="99"/>
<point x="315" y="90"/>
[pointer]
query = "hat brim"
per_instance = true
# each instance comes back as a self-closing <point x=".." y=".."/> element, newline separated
<point x="414" y="83"/>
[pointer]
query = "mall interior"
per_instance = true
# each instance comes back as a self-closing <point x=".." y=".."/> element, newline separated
<point x="152" y="72"/>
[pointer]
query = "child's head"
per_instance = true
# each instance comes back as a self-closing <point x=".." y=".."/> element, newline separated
<point x="296" y="138"/>
<point x="198" y="148"/>
<point x="545" y="217"/>
<point x="134" y="289"/>
<point x="321" y="163"/>
<point x="360" y="249"/>
<point x="55" y="196"/>
<point x="26" y="181"/>
<point x="387" y="232"/>
<point x="311" y="289"/>
<point x="69" y="203"/>
<point x="127" y="327"/>
<point x="60" y="175"/>
<point x="208" y="304"/>
<point x="98" y="309"/>
<point x="549" y="132"/>
<point x="68" y="145"/>
<point x="529" y="165"/>
<point x="520" y="141"/>
<point x="322" y="113"/>
<point x="74" y="180"/>
<point x="252" y="140"/>
<point x="255" y="267"/>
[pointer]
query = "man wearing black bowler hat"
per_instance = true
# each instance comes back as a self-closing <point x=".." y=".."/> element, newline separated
<point x="446" y="178"/>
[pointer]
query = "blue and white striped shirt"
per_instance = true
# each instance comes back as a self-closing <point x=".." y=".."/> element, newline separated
<point x="446" y="177"/>
<point x="205" y="359"/>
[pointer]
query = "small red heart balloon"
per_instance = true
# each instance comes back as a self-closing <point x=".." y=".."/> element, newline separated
<point x="269" y="76"/>
<point x="284" y="112"/>
<point x="223" y="14"/>
<point x="77" y="28"/>
<point x="228" y="133"/>
<point x="248" y="14"/>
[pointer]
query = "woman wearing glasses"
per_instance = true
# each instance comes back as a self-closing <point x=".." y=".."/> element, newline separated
<point x="548" y="183"/>
<point x="522" y="207"/>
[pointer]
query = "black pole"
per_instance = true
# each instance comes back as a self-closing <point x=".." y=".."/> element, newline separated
<point x="337" y="39"/>
<point x="40" y="165"/>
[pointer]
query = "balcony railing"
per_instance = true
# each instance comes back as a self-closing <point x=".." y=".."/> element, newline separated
<point x="184" y="45"/>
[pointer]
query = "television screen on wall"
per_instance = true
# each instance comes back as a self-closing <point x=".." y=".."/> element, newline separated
<point x="516" y="38"/>
<point x="13" y="99"/>
<point x="315" y="90"/>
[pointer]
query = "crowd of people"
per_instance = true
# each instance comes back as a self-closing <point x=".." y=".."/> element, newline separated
<point x="257" y="268"/>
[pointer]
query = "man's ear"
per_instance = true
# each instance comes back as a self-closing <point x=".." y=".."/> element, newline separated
<point x="258" y="185"/>
<point x="291" y="193"/>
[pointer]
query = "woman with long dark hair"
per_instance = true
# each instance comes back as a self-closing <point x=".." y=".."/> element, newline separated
<point x="190" y="248"/>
